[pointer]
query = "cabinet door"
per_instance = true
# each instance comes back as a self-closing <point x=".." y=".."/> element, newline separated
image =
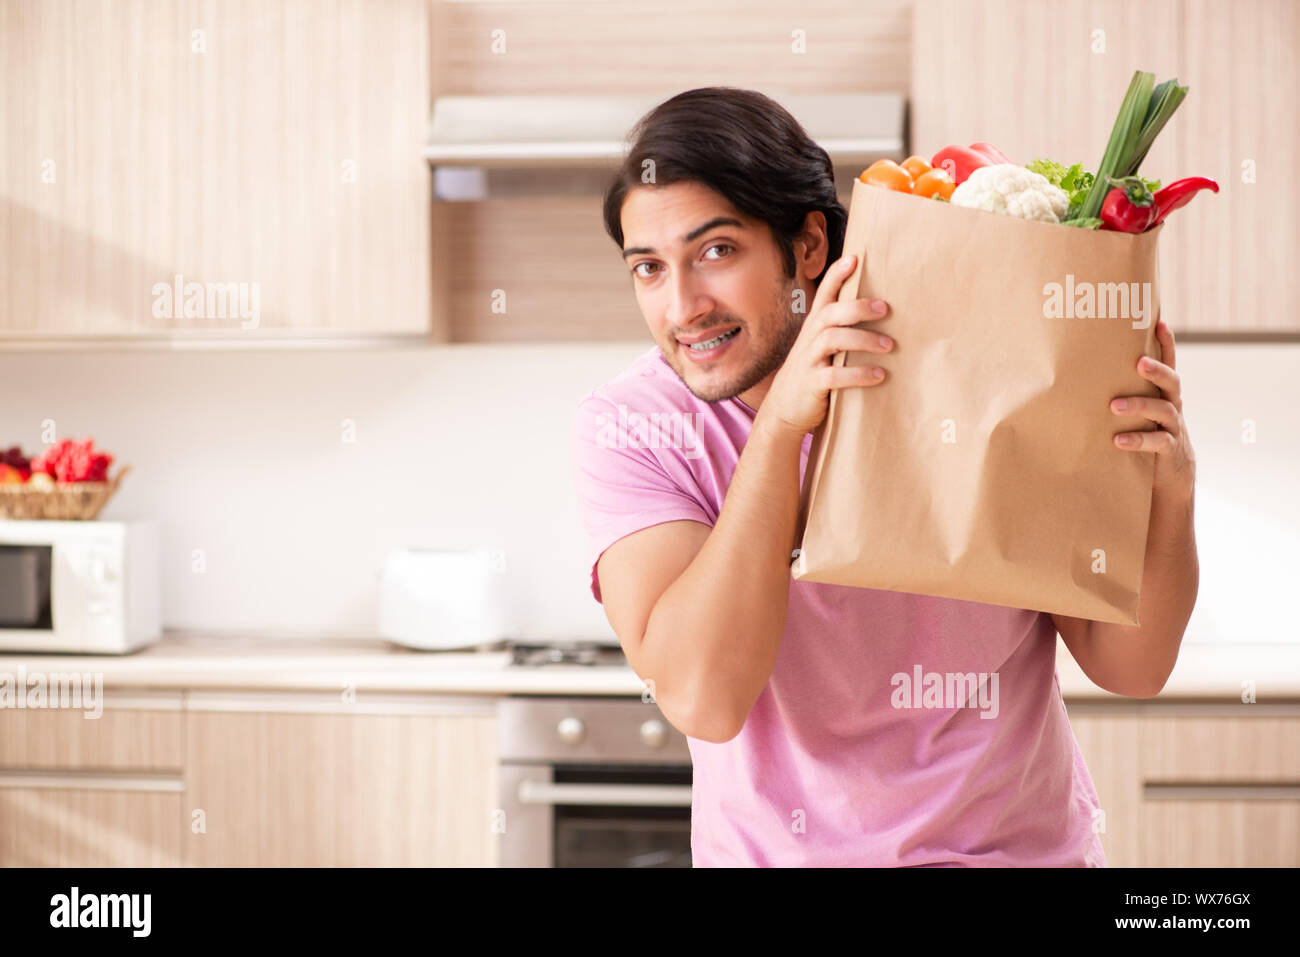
<point x="1241" y="245"/>
<point x="290" y="788"/>
<point x="263" y="158"/>
<point x="92" y="787"/>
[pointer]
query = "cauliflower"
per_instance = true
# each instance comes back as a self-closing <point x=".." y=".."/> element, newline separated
<point x="1012" y="191"/>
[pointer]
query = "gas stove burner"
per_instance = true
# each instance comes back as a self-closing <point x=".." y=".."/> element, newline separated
<point x="587" y="653"/>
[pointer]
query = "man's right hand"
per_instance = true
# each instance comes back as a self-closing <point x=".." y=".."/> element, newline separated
<point x="800" y="393"/>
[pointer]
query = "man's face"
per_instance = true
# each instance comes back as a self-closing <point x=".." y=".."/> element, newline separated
<point x="700" y="270"/>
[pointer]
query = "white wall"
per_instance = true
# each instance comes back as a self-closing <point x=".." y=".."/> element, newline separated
<point x="241" y="454"/>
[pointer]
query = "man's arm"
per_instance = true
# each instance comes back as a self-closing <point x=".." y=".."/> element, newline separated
<point x="1136" y="660"/>
<point x="700" y="612"/>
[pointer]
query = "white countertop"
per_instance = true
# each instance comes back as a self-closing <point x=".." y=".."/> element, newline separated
<point x="1203" y="671"/>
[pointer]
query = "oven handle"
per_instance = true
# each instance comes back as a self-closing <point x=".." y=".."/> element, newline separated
<point x="610" y="795"/>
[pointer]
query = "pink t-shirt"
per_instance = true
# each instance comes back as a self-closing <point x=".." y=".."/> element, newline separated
<point x="865" y="748"/>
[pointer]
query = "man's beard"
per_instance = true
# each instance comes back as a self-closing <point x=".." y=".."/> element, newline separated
<point x="783" y="327"/>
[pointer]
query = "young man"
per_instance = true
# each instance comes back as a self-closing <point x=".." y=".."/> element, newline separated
<point x="688" y="467"/>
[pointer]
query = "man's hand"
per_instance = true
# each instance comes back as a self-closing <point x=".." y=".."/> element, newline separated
<point x="800" y="394"/>
<point x="1175" y="472"/>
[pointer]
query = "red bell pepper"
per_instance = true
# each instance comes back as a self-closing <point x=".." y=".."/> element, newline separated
<point x="994" y="154"/>
<point x="1129" y="207"/>
<point x="959" y="161"/>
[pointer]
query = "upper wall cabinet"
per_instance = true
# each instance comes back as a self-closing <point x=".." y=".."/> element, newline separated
<point x="536" y="100"/>
<point x="177" y="169"/>
<point x="1046" y="77"/>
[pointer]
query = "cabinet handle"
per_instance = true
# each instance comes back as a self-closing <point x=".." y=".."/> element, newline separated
<point x="90" y="780"/>
<point x="1222" y="792"/>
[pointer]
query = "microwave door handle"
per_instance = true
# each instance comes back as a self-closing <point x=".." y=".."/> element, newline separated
<point x="609" y="795"/>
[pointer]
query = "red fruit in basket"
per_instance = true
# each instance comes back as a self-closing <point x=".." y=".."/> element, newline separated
<point x="97" y="470"/>
<point x="13" y="456"/>
<point x="70" y="461"/>
<point x="12" y="476"/>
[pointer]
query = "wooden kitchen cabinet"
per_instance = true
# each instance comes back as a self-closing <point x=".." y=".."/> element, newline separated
<point x="1046" y="78"/>
<point x="78" y="791"/>
<point x="1194" y="785"/>
<point x="1221" y="791"/>
<point x="289" y="780"/>
<point x="275" y="145"/>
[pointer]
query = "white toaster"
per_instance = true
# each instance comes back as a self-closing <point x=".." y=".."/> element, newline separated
<point x="443" y="598"/>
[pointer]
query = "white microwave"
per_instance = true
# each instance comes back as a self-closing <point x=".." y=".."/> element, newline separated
<point x="85" y="587"/>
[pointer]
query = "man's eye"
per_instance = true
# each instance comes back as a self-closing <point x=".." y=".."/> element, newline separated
<point x="638" y="266"/>
<point x="720" y="246"/>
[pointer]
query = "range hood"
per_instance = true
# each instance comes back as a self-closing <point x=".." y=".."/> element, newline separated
<point x="575" y="131"/>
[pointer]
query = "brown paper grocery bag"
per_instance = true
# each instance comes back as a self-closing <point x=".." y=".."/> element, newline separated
<point x="984" y="467"/>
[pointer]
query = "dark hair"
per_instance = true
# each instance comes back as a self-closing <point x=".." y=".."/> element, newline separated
<point x="743" y="145"/>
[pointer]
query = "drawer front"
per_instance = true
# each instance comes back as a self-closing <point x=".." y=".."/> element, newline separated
<point x="1212" y="832"/>
<point x="130" y="734"/>
<point x="93" y="827"/>
<point x="1185" y="749"/>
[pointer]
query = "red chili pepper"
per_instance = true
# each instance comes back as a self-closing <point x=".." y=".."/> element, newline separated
<point x="1179" y="194"/>
<point x="1129" y="207"/>
<point x="994" y="154"/>
<point x="959" y="161"/>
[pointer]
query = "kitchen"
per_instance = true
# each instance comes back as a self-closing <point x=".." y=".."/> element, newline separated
<point x="368" y="544"/>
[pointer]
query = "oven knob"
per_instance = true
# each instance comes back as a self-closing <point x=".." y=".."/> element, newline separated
<point x="654" y="733"/>
<point x="571" y="730"/>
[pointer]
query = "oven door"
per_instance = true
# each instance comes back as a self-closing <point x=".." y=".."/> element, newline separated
<point x="610" y="815"/>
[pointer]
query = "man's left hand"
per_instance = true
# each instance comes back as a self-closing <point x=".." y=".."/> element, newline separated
<point x="1175" y="464"/>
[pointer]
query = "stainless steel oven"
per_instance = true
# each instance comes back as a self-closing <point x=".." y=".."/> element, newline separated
<point x="592" y="782"/>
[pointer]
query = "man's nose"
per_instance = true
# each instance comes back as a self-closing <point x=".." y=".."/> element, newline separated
<point x="687" y="302"/>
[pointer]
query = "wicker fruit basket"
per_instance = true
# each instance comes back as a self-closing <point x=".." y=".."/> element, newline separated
<point x="42" y="497"/>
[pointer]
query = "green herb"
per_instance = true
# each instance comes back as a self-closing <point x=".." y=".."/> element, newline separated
<point x="1142" y="115"/>
<point x="1165" y="98"/>
<point x="1092" y="222"/>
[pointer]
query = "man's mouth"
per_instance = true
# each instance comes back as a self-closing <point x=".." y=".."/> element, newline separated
<point x="708" y="344"/>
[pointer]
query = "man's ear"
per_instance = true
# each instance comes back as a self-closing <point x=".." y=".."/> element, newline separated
<point x="812" y="245"/>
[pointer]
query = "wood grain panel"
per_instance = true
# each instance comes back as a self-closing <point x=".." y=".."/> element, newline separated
<point x="1221" y="749"/>
<point x="560" y="274"/>
<point x="41" y="827"/>
<point x="225" y="165"/>
<point x="339" y="790"/>
<point x="564" y="46"/>
<point x="1213" y="833"/>
<point x="67" y="739"/>
<point x="1023" y="74"/>
<point x="1242" y="245"/>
